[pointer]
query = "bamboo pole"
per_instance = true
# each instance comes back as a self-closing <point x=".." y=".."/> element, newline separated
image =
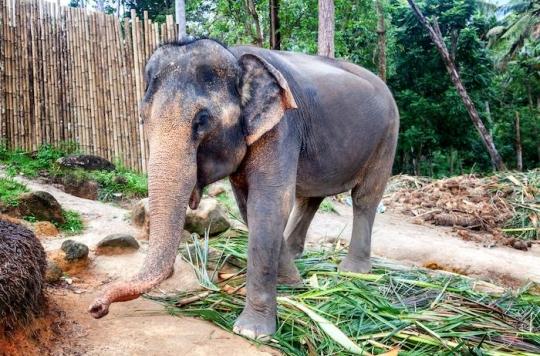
<point x="137" y="61"/>
<point x="38" y="92"/>
<point x="112" y="142"/>
<point x="46" y="73"/>
<point x="12" y="77"/>
<point x="18" y="70"/>
<point x="22" y="88"/>
<point x="3" y="117"/>
<point x="133" y="122"/>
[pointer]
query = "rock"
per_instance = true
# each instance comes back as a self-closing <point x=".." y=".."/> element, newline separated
<point x="139" y="213"/>
<point x="186" y="237"/>
<point x="74" y="251"/>
<point x="41" y="205"/>
<point x="86" y="189"/>
<point x="141" y="218"/>
<point x="116" y="244"/>
<point x="216" y="189"/>
<point x="208" y="215"/>
<point x="120" y="180"/>
<point x="53" y="272"/>
<point x="45" y="229"/>
<point x="520" y="245"/>
<point x="87" y="162"/>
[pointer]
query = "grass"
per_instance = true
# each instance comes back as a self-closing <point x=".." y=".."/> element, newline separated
<point x="31" y="164"/>
<point x="120" y="182"/>
<point x="73" y="224"/>
<point x="415" y="311"/>
<point x="327" y="206"/>
<point x="10" y="191"/>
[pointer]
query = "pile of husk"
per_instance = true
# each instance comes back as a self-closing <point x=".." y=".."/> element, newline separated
<point x="22" y="276"/>
<point x="394" y="309"/>
<point x="503" y="208"/>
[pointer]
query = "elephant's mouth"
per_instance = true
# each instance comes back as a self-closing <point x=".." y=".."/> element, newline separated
<point x="195" y="198"/>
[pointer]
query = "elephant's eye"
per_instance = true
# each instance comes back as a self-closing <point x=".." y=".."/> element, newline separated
<point x="200" y="123"/>
<point x="202" y="118"/>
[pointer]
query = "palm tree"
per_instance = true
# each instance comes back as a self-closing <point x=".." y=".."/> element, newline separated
<point x="521" y="23"/>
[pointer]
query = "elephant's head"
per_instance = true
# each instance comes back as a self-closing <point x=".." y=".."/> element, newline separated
<point x="202" y="108"/>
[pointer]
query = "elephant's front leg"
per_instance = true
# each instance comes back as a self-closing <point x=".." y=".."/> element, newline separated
<point x="268" y="210"/>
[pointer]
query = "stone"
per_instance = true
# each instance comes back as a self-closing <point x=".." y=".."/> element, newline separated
<point x="86" y="189"/>
<point x="208" y="215"/>
<point x="120" y="180"/>
<point x="139" y="213"/>
<point x="186" y="237"/>
<point x="520" y="245"/>
<point x="87" y="162"/>
<point x="45" y="229"/>
<point x="74" y="251"/>
<point x="140" y="217"/>
<point x="117" y="244"/>
<point x="41" y="205"/>
<point x="216" y="189"/>
<point x="53" y="272"/>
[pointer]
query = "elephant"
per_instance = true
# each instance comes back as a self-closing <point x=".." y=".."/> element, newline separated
<point x="288" y="129"/>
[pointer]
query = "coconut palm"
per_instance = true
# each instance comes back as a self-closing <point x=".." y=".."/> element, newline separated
<point x="521" y="23"/>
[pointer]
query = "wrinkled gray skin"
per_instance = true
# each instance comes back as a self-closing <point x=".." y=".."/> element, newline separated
<point x="288" y="129"/>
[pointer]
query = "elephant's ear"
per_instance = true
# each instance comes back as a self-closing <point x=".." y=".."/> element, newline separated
<point x="265" y="96"/>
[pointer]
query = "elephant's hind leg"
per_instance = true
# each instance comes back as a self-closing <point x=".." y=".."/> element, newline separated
<point x="295" y="236"/>
<point x="365" y="199"/>
<point x="295" y="233"/>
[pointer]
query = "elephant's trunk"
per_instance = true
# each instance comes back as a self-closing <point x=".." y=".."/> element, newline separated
<point x="169" y="192"/>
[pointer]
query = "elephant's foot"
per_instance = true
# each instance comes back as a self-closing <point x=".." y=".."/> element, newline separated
<point x="256" y="325"/>
<point x="290" y="277"/>
<point x="296" y="250"/>
<point x="356" y="266"/>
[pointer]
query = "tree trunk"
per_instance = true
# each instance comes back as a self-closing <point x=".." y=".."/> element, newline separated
<point x="381" y="33"/>
<point x="325" y="41"/>
<point x="258" y="38"/>
<point x="275" y="36"/>
<point x="437" y="38"/>
<point x="118" y="6"/>
<point x="519" y="151"/>
<point x="180" y="17"/>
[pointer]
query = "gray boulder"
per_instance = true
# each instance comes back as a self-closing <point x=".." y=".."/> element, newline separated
<point x="139" y="213"/>
<point x="117" y="243"/>
<point x="41" y="205"/>
<point x="74" y="251"/>
<point x="87" y="162"/>
<point x="209" y="215"/>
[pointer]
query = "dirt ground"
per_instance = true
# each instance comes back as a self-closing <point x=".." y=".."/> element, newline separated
<point x="142" y="327"/>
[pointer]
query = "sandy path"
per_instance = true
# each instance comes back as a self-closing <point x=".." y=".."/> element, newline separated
<point x="396" y="238"/>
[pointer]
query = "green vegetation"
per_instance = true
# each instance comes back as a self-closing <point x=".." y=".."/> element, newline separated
<point x="417" y="311"/>
<point x="31" y="164"/>
<point x="327" y="206"/>
<point x="43" y="162"/>
<point x="496" y="50"/>
<point x="73" y="224"/>
<point x="10" y="191"/>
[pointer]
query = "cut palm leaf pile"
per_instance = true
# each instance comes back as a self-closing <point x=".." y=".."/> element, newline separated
<point x="503" y="208"/>
<point x="395" y="308"/>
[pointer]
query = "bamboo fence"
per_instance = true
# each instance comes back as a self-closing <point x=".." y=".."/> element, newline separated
<point x="74" y="75"/>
